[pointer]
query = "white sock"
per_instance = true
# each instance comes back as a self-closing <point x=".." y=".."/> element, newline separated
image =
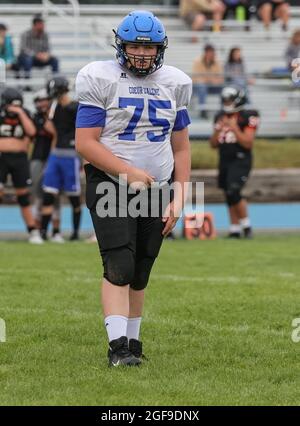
<point x="133" y="328"/>
<point x="245" y="223"/>
<point x="234" y="228"/>
<point x="116" y="326"/>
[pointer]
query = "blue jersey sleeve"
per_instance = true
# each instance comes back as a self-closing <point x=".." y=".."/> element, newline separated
<point x="90" y="116"/>
<point x="182" y="120"/>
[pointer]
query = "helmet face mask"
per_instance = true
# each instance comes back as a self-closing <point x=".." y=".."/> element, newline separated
<point x="141" y="28"/>
<point x="233" y="99"/>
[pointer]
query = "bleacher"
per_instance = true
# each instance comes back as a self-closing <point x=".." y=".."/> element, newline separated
<point x="77" y="40"/>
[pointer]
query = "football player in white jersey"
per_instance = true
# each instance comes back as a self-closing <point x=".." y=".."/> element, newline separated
<point x="132" y="121"/>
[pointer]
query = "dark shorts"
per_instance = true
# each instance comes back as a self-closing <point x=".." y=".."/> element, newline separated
<point x="142" y="235"/>
<point x="272" y="3"/>
<point x="234" y="174"/>
<point x="16" y="165"/>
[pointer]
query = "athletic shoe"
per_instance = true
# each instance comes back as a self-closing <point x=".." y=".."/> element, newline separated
<point x="136" y="348"/>
<point x="248" y="232"/>
<point x="234" y="235"/>
<point x="119" y="354"/>
<point x="35" y="237"/>
<point x="57" y="238"/>
<point x="91" y="240"/>
<point x="74" y="237"/>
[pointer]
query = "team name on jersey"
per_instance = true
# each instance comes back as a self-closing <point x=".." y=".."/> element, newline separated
<point x="139" y="90"/>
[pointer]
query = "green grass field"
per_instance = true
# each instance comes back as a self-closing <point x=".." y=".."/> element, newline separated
<point x="279" y="154"/>
<point x="217" y="326"/>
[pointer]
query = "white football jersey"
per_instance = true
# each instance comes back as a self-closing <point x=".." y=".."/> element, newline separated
<point x="140" y="112"/>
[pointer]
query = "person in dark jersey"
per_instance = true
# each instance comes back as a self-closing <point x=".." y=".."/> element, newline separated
<point x="16" y="129"/>
<point x="63" y="169"/>
<point x="233" y="135"/>
<point x="44" y="140"/>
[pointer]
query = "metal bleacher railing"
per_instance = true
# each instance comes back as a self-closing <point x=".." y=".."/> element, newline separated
<point x="83" y="33"/>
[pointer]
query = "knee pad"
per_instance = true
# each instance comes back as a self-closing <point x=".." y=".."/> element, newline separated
<point x="48" y="199"/>
<point x="23" y="200"/>
<point x="119" y="265"/>
<point x="233" y="197"/>
<point x="142" y="273"/>
<point x="75" y="202"/>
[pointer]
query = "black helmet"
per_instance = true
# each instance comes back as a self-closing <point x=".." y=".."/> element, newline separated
<point x="57" y="86"/>
<point x="236" y="96"/>
<point x="11" y="96"/>
<point x="41" y="95"/>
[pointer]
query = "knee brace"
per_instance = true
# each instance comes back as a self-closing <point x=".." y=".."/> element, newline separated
<point x="142" y="273"/>
<point x="119" y="264"/>
<point x="23" y="200"/>
<point x="48" y="199"/>
<point x="233" y="195"/>
<point x="75" y="202"/>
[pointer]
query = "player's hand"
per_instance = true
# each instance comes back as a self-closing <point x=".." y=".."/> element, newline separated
<point x="231" y="122"/>
<point x="170" y="217"/>
<point x="138" y="179"/>
<point x="15" y="109"/>
<point x="43" y="56"/>
<point x="219" y="125"/>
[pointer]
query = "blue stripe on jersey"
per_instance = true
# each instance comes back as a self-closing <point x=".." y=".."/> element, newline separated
<point x="182" y="120"/>
<point x="90" y="116"/>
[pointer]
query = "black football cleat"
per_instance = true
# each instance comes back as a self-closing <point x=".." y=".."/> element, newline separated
<point x="234" y="235"/>
<point x="136" y="348"/>
<point x="119" y="354"/>
<point x="74" y="237"/>
<point x="248" y="232"/>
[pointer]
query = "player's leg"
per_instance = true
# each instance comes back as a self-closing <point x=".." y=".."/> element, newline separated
<point x="265" y="13"/>
<point x="23" y="198"/>
<point x="149" y="241"/>
<point x="76" y="216"/>
<point x="56" y="234"/>
<point x="70" y="169"/>
<point x="36" y="172"/>
<point x="198" y="22"/>
<point x="3" y="176"/>
<point x="218" y="13"/>
<point x="237" y="177"/>
<point x="20" y="173"/>
<point x="1" y="193"/>
<point x="136" y="305"/>
<point x="116" y="240"/>
<point x="52" y="183"/>
<point x="282" y="12"/>
<point x="234" y="227"/>
<point x="118" y="259"/>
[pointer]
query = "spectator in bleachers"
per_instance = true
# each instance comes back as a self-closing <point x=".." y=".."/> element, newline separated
<point x="195" y="12"/>
<point x="235" y="70"/>
<point x="274" y="9"/>
<point x="35" y="48"/>
<point x="207" y="76"/>
<point x="6" y="47"/>
<point x="293" y="50"/>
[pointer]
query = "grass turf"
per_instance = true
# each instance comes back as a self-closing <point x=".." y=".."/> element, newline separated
<point x="217" y="326"/>
<point x="280" y="154"/>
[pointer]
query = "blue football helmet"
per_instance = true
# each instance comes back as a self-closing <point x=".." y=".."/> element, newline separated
<point x="141" y="27"/>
